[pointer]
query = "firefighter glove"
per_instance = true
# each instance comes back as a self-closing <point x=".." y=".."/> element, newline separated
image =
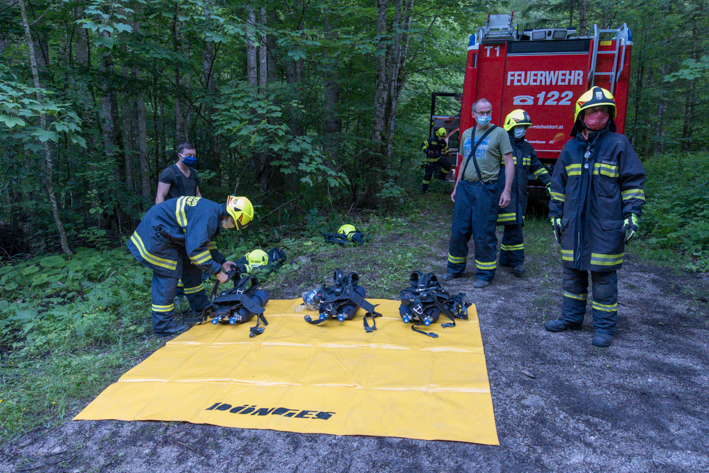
<point x="630" y="227"/>
<point x="549" y="189"/>
<point x="556" y="225"/>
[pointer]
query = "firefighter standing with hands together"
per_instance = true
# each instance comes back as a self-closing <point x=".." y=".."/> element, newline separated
<point x="596" y="199"/>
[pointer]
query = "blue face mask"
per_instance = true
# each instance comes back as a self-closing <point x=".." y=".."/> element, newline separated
<point x="483" y="120"/>
<point x="519" y="132"/>
<point x="189" y="160"/>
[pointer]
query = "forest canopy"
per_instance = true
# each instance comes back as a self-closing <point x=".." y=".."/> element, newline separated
<point x="298" y="105"/>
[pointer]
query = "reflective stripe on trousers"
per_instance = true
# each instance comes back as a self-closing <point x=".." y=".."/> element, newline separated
<point x="605" y="298"/>
<point x="512" y="248"/>
<point x="475" y="215"/>
<point x="163" y="290"/>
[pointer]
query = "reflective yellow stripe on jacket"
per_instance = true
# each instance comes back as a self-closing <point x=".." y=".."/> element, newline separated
<point x="607" y="170"/>
<point x="151" y="258"/>
<point x="573" y="169"/>
<point x="201" y="258"/>
<point x="633" y="194"/>
<point x="180" y="214"/>
<point x="567" y="255"/>
<point x="600" y="259"/>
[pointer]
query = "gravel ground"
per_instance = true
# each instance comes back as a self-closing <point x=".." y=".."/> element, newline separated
<point x="560" y="403"/>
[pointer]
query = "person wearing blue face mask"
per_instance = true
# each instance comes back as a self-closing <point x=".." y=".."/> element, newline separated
<point x="180" y="179"/>
<point x="477" y="196"/>
<point x="512" y="217"/>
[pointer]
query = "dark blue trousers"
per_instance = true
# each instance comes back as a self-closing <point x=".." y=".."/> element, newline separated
<point x="164" y="288"/>
<point x="475" y="214"/>
<point x="605" y="298"/>
<point x="512" y="249"/>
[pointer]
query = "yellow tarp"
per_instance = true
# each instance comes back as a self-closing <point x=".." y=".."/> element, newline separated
<point x="332" y="378"/>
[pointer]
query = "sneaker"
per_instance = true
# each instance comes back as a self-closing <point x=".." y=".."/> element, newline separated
<point x="449" y="276"/>
<point x="480" y="283"/>
<point x="561" y="325"/>
<point x="602" y="340"/>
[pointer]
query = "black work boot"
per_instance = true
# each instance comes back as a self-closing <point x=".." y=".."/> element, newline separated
<point x="602" y="340"/>
<point x="195" y="318"/>
<point x="480" y="283"/>
<point x="518" y="270"/>
<point x="561" y="325"/>
<point x="173" y="329"/>
<point x="449" y="276"/>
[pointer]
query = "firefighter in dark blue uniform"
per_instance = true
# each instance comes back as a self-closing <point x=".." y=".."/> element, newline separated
<point x="435" y="150"/>
<point x="597" y="196"/>
<point x="176" y="240"/>
<point x="512" y="216"/>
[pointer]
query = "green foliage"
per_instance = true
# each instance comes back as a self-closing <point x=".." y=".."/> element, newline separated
<point x="68" y="326"/>
<point x="49" y="298"/>
<point x="676" y="215"/>
<point x="19" y="111"/>
<point x="691" y="69"/>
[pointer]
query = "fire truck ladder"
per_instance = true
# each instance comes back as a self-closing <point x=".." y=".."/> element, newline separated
<point x="621" y="36"/>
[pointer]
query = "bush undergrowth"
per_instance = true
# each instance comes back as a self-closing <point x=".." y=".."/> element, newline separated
<point x="676" y="215"/>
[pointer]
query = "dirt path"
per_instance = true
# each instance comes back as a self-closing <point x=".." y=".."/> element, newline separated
<point x="560" y="404"/>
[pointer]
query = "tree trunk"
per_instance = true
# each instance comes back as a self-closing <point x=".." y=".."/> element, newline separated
<point x="332" y="124"/>
<point x="380" y="84"/>
<point x="251" y="63"/>
<point x="48" y="168"/>
<point x="688" y="126"/>
<point x="582" y="17"/>
<point x="142" y="143"/>
<point x="397" y="77"/>
<point x="128" y="116"/>
<point x="263" y="55"/>
<point x="181" y="134"/>
<point x="271" y="48"/>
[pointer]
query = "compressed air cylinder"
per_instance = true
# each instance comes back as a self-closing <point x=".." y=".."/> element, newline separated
<point x="260" y="298"/>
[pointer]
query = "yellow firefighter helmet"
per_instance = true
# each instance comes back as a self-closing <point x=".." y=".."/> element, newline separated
<point x="240" y="209"/>
<point x="516" y="118"/>
<point x="347" y="230"/>
<point x="257" y="258"/>
<point x="595" y="97"/>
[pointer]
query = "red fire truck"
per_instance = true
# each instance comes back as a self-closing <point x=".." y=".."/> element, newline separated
<point x="542" y="71"/>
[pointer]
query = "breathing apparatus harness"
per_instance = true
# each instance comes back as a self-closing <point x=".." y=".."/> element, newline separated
<point x="341" y="301"/>
<point x="426" y="300"/>
<point x="238" y="304"/>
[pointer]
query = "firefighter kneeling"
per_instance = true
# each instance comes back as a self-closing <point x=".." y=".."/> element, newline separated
<point x="596" y="199"/>
<point x="176" y="240"/>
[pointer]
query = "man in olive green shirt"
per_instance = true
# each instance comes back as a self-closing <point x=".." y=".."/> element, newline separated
<point x="476" y="196"/>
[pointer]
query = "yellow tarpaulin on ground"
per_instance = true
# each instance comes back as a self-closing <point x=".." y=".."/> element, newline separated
<point x="333" y="378"/>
